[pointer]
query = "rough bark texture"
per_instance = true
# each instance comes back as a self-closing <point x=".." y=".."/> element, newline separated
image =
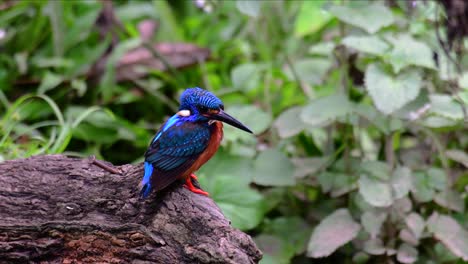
<point x="55" y="209"/>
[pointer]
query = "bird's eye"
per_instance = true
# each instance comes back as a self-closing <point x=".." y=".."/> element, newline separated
<point x="203" y="109"/>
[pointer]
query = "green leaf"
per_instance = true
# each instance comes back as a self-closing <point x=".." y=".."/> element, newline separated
<point x="421" y="188"/>
<point x="407" y="254"/>
<point x="450" y="199"/>
<point x="225" y="164"/>
<point x="463" y="80"/>
<point x="249" y="7"/>
<point x="407" y="236"/>
<point x="374" y="246"/>
<point x="370" y="17"/>
<point x="333" y="232"/>
<point x="408" y="51"/>
<point x="443" y="254"/>
<point x="311" y="18"/>
<point x="401" y="182"/>
<point x="367" y="44"/>
<point x="415" y="224"/>
<point x="79" y="85"/>
<point x="437" y="179"/>
<point x="253" y="117"/>
<point x="336" y="183"/>
<point x="54" y="10"/>
<point x="311" y="71"/>
<point x="445" y="106"/>
<point x="245" y="77"/>
<point x="291" y="233"/>
<point x="375" y="192"/>
<point x="308" y="166"/>
<point x="289" y="123"/>
<point x="390" y="92"/>
<point x="360" y="258"/>
<point x="450" y="233"/>
<point x="372" y="222"/>
<point x="377" y="169"/>
<point x="241" y="204"/>
<point x="107" y="83"/>
<point x="273" y="168"/>
<point x="322" y="48"/>
<point x="83" y="25"/>
<point x="438" y="122"/>
<point x="272" y="248"/>
<point x="324" y="110"/>
<point x="376" y="118"/>
<point x="458" y="156"/>
<point x="49" y="82"/>
<point x="91" y="133"/>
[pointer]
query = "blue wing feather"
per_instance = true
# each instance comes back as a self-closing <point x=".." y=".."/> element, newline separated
<point x="172" y="151"/>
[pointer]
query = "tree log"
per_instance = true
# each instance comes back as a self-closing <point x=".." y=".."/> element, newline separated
<point x="56" y="209"/>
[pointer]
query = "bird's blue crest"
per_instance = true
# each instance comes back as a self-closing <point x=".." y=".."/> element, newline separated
<point x="198" y="97"/>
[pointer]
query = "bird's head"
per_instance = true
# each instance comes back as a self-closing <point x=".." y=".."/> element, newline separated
<point x="201" y="105"/>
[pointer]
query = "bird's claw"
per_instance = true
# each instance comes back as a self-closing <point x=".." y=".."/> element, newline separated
<point x="189" y="185"/>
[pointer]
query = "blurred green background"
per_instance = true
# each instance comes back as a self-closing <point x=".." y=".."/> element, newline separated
<point x="359" y="110"/>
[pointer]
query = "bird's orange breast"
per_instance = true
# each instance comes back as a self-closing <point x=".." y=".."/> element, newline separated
<point x="210" y="150"/>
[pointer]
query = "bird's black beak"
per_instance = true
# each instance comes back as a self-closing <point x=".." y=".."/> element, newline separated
<point x="224" y="117"/>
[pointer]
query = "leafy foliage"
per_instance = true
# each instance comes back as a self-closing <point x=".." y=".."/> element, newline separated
<point x="359" y="114"/>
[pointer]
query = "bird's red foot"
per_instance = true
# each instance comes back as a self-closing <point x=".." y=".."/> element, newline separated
<point x="189" y="185"/>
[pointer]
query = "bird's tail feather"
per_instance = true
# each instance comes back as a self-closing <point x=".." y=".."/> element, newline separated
<point x="146" y="189"/>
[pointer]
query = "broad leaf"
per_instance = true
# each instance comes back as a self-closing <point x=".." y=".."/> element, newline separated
<point x="458" y="156"/>
<point x="249" y="7"/>
<point x="245" y="76"/>
<point x="421" y="189"/>
<point x="415" y="224"/>
<point x="253" y="117"/>
<point x="322" y="48"/>
<point x="408" y="51"/>
<point x="377" y="169"/>
<point x="370" y="17"/>
<point x="376" y="192"/>
<point x="289" y="123"/>
<point x="367" y="44"/>
<point x="401" y="182"/>
<point x="463" y="80"/>
<point x="242" y="205"/>
<point x="225" y="164"/>
<point x="372" y="221"/>
<point x="333" y="232"/>
<point x="289" y="233"/>
<point x="272" y="248"/>
<point x="326" y="109"/>
<point x="374" y="246"/>
<point x="407" y="254"/>
<point x="391" y="92"/>
<point x="337" y="183"/>
<point x="311" y="71"/>
<point x="450" y="199"/>
<point x="450" y="233"/>
<point x="273" y="168"/>
<point x="308" y="166"/>
<point x="49" y="82"/>
<point x="444" y="105"/>
<point x="437" y="178"/>
<point x="311" y="18"/>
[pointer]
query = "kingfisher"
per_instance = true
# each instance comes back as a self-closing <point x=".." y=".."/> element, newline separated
<point x="186" y="141"/>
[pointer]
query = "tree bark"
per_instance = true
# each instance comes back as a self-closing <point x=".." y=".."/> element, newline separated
<point x="56" y="209"/>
